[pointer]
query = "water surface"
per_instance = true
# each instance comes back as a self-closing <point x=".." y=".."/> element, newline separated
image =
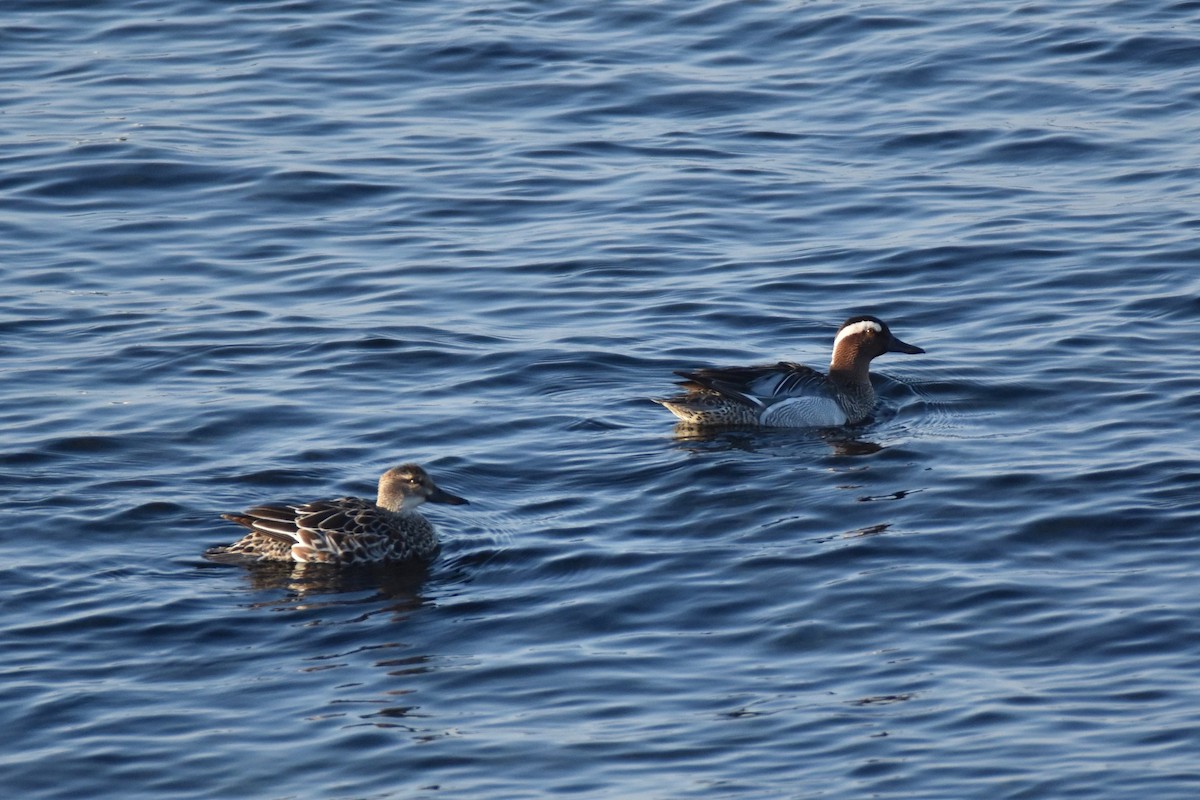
<point x="265" y="251"/>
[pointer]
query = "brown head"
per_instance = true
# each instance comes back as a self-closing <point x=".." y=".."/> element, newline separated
<point x="405" y="487"/>
<point x="861" y="339"/>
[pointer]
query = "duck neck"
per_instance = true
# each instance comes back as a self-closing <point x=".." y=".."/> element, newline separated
<point x="856" y="395"/>
<point x="849" y="366"/>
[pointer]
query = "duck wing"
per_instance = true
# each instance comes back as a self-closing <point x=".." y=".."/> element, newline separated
<point x="345" y="529"/>
<point x="758" y="385"/>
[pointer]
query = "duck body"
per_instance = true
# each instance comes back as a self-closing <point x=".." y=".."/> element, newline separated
<point x="346" y="530"/>
<point x="789" y="395"/>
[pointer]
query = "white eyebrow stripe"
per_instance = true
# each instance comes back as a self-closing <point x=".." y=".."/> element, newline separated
<point x="858" y="327"/>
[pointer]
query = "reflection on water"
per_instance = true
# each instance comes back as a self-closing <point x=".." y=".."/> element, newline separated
<point x="383" y="693"/>
<point x="899" y="494"/>
<point x="857" y="533"/>
<point x="393" y="581"/>
<point x="842" y="441"/>
<point x="355" y="642"/>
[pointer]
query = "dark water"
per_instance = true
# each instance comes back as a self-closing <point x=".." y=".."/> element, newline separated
<point x="264" y="251"/>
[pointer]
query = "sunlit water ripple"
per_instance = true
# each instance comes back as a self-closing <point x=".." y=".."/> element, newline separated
<point x="264" y="251"/>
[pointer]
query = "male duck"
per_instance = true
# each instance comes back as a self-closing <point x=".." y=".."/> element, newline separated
<point x="349" y="530"/>
<point x="787" y="395"/>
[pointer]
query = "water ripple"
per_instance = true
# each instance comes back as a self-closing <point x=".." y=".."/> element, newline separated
<point x="265" y="254"/>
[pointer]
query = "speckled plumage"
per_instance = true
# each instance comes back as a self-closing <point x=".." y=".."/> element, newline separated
<point x="347" y="530"/>
<point x="788" y="395"/>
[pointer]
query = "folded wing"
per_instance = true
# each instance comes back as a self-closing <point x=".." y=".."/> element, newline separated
<point x="757" y="386"/>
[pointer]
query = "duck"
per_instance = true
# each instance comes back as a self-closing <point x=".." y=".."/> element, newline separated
<point x="789" y="395"/>
<point x="346" y="530"/>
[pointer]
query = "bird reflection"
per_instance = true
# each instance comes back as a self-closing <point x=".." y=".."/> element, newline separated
<point x="400" y="582"/>
<point x="356" y="656"/>
<point x="841" y="441"/>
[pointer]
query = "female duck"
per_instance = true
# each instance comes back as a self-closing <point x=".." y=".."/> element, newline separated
<point x="349" y="530"/>
<point x="787" y="395"/>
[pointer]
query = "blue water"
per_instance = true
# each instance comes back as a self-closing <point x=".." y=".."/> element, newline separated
<point x="265" y="251"/>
